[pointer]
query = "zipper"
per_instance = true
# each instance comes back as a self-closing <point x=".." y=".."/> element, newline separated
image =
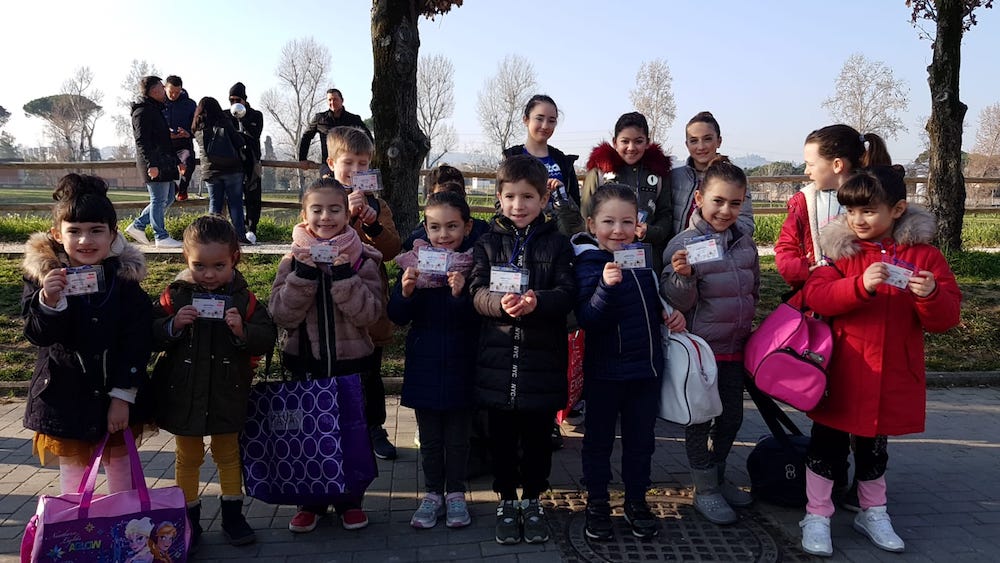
<point x="326" y="341"/>
<point x="645" y="311"/>
<point x="83" y="366"/>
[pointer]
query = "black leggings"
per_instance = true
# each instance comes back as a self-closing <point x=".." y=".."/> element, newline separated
<point x="721" y="429"/>
<point x="828" y="450"/>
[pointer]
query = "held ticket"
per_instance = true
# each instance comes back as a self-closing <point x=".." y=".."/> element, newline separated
<point x="704" y="249"/>
<point x="635" y="255"/>
<point x="323" y="253"/>
<point x="84" y="280"/>
<point x="900" y="272"/>
<point x="210" y="306"/>
<point x="367" y="180"/>
<point x="506" y="279"/>
<point x="432" y="260"/>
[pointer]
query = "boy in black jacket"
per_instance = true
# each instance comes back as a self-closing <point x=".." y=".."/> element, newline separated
<point x="523" y="285"/>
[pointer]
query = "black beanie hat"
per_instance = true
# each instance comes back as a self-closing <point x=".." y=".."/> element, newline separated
<point x="238" y="90"/>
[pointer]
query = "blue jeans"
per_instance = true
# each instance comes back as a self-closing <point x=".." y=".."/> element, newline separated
<point x="161" y="195"/>
<point x="228" y="188"/>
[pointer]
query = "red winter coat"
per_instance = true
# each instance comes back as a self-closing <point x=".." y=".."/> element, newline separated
<point x="877" y="382"/>
<point x="795" y="251"/>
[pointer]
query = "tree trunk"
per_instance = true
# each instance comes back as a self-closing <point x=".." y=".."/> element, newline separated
<point x="400" y="146"/>
<point x="946" y="181"/>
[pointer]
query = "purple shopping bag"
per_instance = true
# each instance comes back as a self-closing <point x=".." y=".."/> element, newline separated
<point x="307" y="442"/>
<point x="123" y="526"/>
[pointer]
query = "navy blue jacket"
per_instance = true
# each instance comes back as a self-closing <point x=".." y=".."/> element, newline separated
<point x="621" y="323"/>
<point x="440" y="366"/>
<point x="180" y="115"/>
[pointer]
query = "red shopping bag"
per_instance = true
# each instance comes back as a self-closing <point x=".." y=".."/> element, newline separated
<point x="574" y="372"/>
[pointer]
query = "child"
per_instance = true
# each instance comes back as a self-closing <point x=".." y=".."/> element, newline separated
<point x="718" y="299"/>
<point x="877" y="382"/>
<point x="642" y="166"/>
<point x="217" y="348"/>
<point x="521" y="366"/>
<point x="93" y="345"/>
<point x="350" y="151"/>
<point x="540" y="118"/>
<point x="621" y="314"/>
<point x="703" y="137"/>
<point x="327" y="309"/>
<point x="831" y="154"/>
<point x="446" y="178"/>
<point x="440" y="357"/>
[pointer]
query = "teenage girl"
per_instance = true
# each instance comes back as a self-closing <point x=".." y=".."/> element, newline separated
<point x="83" y="307"/>
<point x="831" y="154"/>
<point x="326" y="309"/>
<point x="219" y="350"/>
<point x="885" y="285"/>
<point x="718" y="298"/>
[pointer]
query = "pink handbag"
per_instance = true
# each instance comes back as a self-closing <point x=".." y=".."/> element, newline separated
<point x="120" y="526"/>
<point x="787" y="357"/>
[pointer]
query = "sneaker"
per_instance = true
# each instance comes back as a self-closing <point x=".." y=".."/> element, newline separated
<point x="816" y="535"/>
<point x="251" y="237"/>
<point x="354" y="519"/>
<point x="557" y="438"/>
<point x="876" y="524"/>
<point x="536" y="527"/>
<point x="599" y="526"/>
<point x="849" y="501"/>
<point x="508" y="527"/>
<point x="457" y="512"/>
<point x="426" y="516"/>
<point x="137" y="234"/>
<point x="641" y="519"/>
<point x="168" y="242"/>
<point x="182" y="197"/>
<point x="245" y="241"/>
<point x="303" y="521"/>
<point x="380" y="443"/>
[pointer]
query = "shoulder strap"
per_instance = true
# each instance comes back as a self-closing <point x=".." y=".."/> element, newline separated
<point x="251" y="305"/>
<point x="166" y="302"/>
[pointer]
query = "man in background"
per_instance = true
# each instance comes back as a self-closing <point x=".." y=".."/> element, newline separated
<point x="251" y="125"/>
<point x="179" y="112"/>
<point x="323" y="122"/>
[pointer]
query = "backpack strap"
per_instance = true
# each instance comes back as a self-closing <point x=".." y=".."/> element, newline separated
<point x="251" y="306"/>
<point x="166" y="302"/>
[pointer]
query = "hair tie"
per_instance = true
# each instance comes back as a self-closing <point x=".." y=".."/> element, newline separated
<point x="862" y="138"/>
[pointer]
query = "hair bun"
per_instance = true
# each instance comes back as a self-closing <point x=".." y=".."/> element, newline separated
<point x="704" y="114"/>
<point x="72" y="186"/>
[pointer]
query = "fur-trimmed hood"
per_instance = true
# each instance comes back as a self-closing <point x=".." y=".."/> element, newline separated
<point x="43" y="254"/>
<point x="605" y="158"/>
<point x="916" y="226"/>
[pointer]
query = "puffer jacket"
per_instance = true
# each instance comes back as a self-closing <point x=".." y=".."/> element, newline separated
<point x="327" y="315"/>
<point x="98" y="343"/>
<point x="877" y="379"/>
<point x="796" y="249"/>
<point x="719" y="298"/>
<point x="565" y="163"/>
<point x="203" y="374"/>
<point x="179" y="115"/>
<point x="522" y="361"/>
<point x="621" y="323"/>
<point x="685" y="181"/>
<point x="153" y="146"/>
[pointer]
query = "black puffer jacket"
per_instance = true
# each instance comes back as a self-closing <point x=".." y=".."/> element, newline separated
<point x="533" y="378"/>
<point x="153" y="146"/>
<point x="565" y="162"/>
<point x="322" y="123"/>
<point x="99" y="342"/>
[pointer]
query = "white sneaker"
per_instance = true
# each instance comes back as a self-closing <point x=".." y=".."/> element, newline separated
<point x="876" y="524"/>
<point x="816" y="535"/>
<point x="137" y="234"/>
<point x="251" y="237"/>
<point x="168" y="243"/>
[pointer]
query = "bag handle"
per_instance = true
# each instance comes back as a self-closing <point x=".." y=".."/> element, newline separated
<point x="775" y="418"/>
<point x="89" y="482"/>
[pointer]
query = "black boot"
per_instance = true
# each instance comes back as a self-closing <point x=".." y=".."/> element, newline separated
<point x="194" y="521"/>
<point x="234" y="525"/>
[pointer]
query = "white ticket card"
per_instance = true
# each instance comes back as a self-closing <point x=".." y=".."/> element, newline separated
<point x="209" y="306"/>
<point x="898" y="276"/>
<point x="83" y="280"/>
<point x="367" y="180"/>
<point x="703" y="249"/>
<point x="323" y="253"/>
<point x="433" y="260"/>
<point x="508" y="280"/>
<point x="632" y="256"/>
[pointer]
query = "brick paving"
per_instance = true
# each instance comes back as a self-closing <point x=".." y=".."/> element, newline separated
<point x="944" y="495"/>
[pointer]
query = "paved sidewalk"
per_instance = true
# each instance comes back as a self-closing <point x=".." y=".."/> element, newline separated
<point x="943" y="488"/>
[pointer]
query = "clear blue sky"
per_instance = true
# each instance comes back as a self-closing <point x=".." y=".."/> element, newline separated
<point x="763" y="68"/>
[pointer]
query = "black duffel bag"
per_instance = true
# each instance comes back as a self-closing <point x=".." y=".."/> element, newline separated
<point x="777" y="464"/>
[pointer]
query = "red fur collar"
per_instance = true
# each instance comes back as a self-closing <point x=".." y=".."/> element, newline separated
<point x="607" y="159"/>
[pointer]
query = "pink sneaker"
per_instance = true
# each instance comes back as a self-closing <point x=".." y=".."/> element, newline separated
<point x="304" y="521"/>
<point x="354" y="519"/>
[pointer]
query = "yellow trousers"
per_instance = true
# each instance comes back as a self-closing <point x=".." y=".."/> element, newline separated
<point x="191" y="454"/>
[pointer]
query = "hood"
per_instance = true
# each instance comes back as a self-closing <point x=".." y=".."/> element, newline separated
<point x="582" y="242"/>
<point x="916" y="226"/>
<point x="43" y="254"/>
<point x="605" y="158"/>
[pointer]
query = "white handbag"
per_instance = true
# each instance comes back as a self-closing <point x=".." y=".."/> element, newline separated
<point x="689" y="392"/>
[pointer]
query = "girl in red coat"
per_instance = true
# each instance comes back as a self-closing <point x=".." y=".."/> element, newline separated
<point x="831" y="155"/>
<point x="883" y="272"/>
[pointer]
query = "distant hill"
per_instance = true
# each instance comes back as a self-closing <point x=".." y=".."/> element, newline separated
<point x="748" y="161"/>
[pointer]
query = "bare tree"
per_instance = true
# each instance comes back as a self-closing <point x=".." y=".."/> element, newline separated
<point x="868" y="97"/>
<point x="946" y="181"/>
<point x="63" y="124"/>
<point x="302" y="73"/>
<point x="129" y="88"/>
<point x="502" y="99"/>
<point x="653" y="96"/>
<point x="84" y="104"/>
<point x="435" y="103"/>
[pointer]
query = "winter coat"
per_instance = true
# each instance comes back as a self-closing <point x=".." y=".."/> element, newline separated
<point x="322" y="123"/>
<point x="684" y="181"/>
<point x="877" y="383"/>
<point x="440" y="368"/>
<point x="100" y="342"/>
<point x="719" y="298"/>
<point x="251" y="126"/>
<point x="179" y="115"/>
<point x="522" y="361"/>
<point x="566" y="167"/>
<point x="327" y="315"/>
<point x="153" y="147"/>
<point x="203" y="374"/>
<point x="621" y="323"/>
<point x="650" y="177"/>
<point x="478" y="228"/>
<point x="212" y="166"/>
<point x="797" y="249"/>
<point x="382" y="235"/>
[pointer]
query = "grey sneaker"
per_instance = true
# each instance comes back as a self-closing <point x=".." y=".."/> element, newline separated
<point x="137" y="234"/>
<point x="426" y="516"/>
<point x="457" y="511"/>
<point x="168" y="242"/>
<point x="536" y="527"/>
<point x="508" y="526"/>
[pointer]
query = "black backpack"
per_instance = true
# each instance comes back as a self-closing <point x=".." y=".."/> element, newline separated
<point x="777" y="464"/>
<point x="221" y="150"/>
